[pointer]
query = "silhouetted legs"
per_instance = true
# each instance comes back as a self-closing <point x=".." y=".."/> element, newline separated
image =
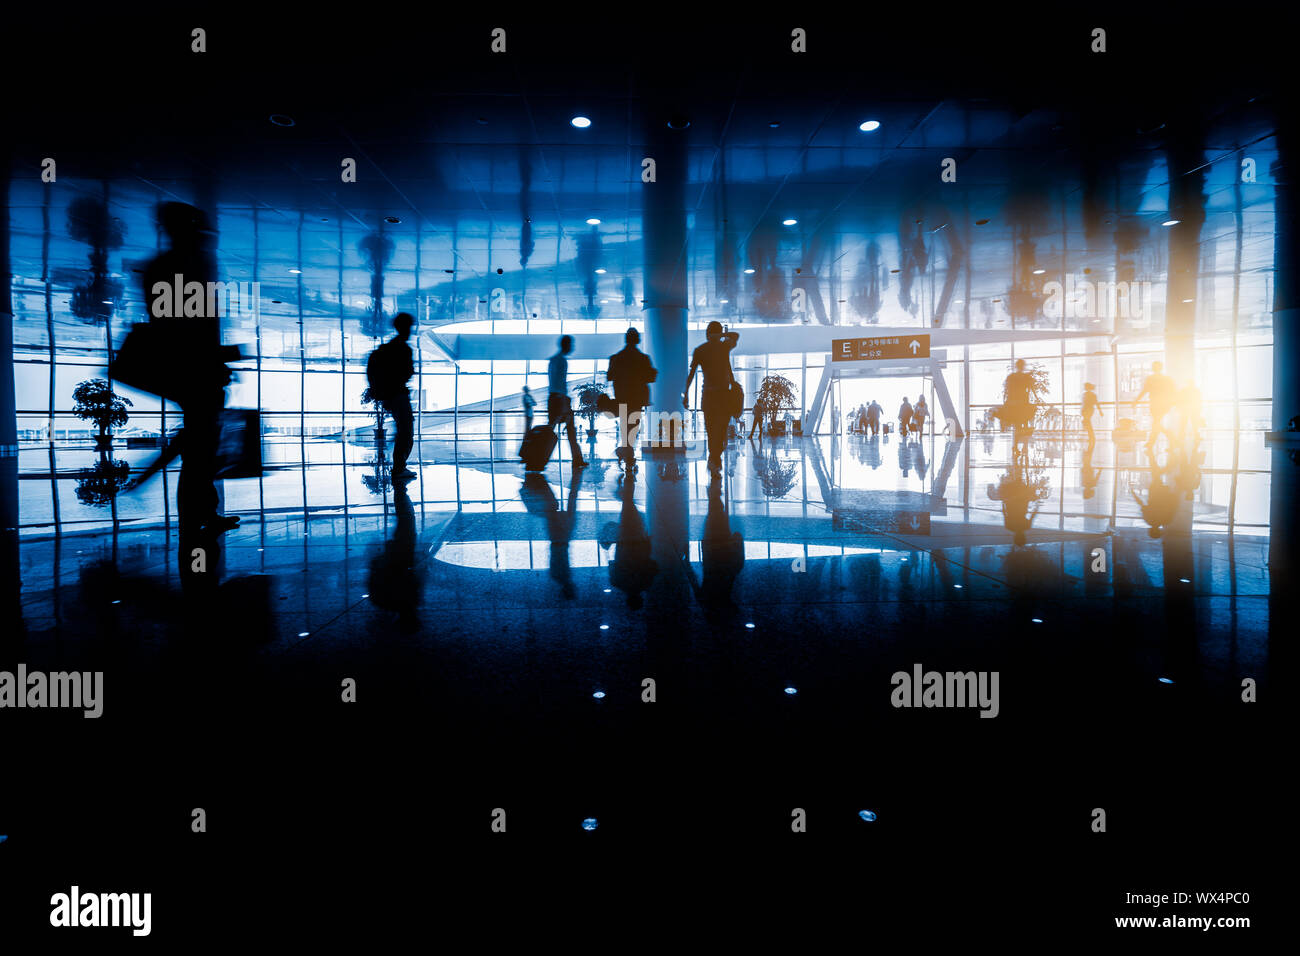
<point x="404" y="424"/>
<point x="713" y="403"/>
<point x="631" y="426"/>
<point x="559" y="411"/>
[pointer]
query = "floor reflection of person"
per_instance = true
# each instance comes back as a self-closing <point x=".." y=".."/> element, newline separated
<point x="1089" y="476"/>
<point x="871" y="451"/>
<point x="632" y="569"/>
<point x="722" y="551"/>
<point x="540" y="499"/>
<point x="394" y="578"/>
<point x="712" y="358"/>
<point x="918" y="459"/>
<point x="1019" y="496"/>
<point x="1161" y="507"/>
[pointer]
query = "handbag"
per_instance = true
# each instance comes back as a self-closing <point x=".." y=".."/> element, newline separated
<point x="735" y="399"/>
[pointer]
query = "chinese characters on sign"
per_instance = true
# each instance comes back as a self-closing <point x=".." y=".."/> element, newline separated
<point x="884" y="347"/>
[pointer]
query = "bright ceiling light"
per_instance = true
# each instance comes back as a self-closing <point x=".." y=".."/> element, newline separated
<point x="724" y="301"/>
<point x="593" y="222"/>
<point x="296" y="272"/>
<point x="869" y="125"/>
<point x="581" y="122"/>
<point x="789" y="222"/>
<point x="1039" y="272"/>
<point x="600" y="272"/>
<point x="1171" y="222"/>
<point x="749" y="272"/>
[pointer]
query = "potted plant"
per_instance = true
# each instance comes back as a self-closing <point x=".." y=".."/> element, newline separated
<point x="94" y="401"/>
<point x="368" y="399"/>
<point x="776" y="394"/>
<point x="588" y="395"/>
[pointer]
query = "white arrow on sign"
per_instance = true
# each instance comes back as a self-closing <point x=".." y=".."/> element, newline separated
<point x="914" y="345"/>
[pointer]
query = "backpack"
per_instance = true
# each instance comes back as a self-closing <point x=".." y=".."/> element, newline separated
<point x="381" y="372"/>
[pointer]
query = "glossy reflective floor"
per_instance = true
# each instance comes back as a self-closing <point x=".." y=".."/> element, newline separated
<point x="770" y="602"/>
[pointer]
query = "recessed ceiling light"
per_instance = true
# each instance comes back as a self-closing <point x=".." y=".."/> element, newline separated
<point x="279" y="119"/>
<point x="581" y="122"/>
<point x="749" y="272"/>
<point x="1171" y="222"/>
<point x="600" y="272"/>
<point x="724" y="301"/>
<point x="789" y="222"/>
<point x="869" y="125"/>
<point x="296" y="272"/>
<point x="1039" y="272"/>
<point x="593" y="222"/>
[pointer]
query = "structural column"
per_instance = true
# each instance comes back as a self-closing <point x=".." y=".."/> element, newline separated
<point x="1186" y="163"/>
<point x="663" y="204"/>
<point x="1284" y="514"/>
<point x="8" y="415"/>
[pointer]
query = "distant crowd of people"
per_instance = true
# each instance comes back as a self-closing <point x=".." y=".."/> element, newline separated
<point x="911" y="418"/>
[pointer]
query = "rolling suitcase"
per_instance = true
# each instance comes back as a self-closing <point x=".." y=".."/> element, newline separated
<point x="538" y="445"/>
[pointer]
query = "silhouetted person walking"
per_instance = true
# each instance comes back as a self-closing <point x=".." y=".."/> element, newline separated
<point x="760" y="413"/>
<point x="529" y="404"/>
<point x="874" y="411"/>
<point x="199" y="387"/>
<point x="904" y="417"/>
<point x="1164" y="395"/>
<point x="631" y="373"/>
<point x="1089" y="409"/>
<point x="388" y="370"/>
<point x="920" y="411"/>
<point x="559" y="407"/>
<point x="1017" y="408"/>
<point x="713" y="357"/>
